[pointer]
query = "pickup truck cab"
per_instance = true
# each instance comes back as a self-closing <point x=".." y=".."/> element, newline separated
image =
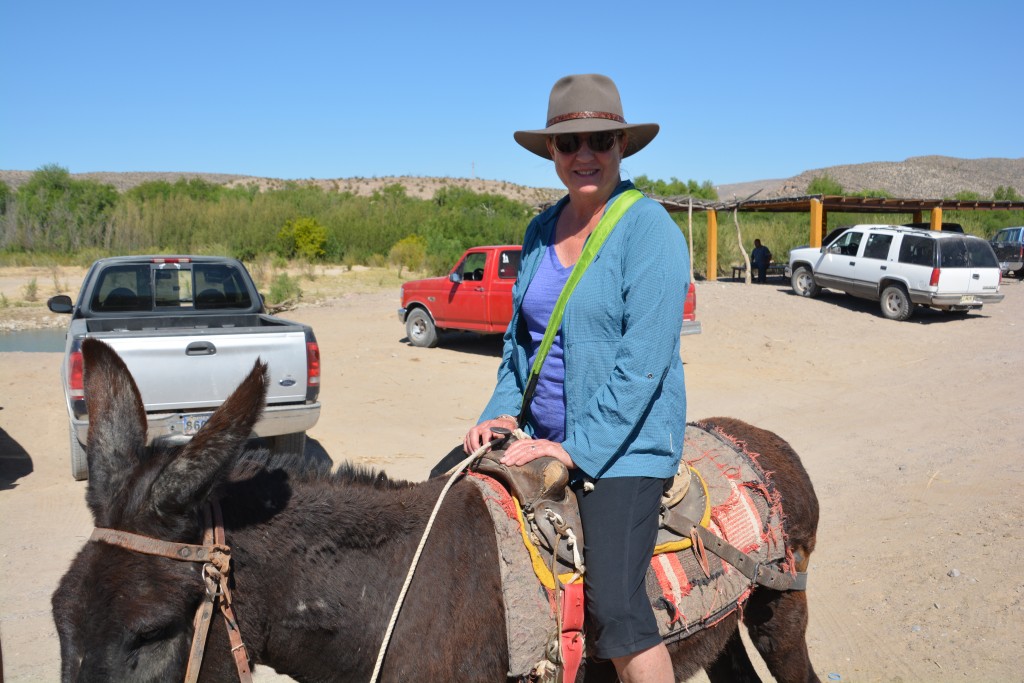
<point x="189" y="328"/>
<point x="1008" y="244"/>
<point x="476" y="296"/>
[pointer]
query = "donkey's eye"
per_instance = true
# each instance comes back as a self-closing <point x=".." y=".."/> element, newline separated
<point x="151" y="634"/>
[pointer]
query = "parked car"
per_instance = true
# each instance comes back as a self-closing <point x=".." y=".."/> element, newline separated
<point x="1008" y="244"/>
<point x="900" y="267"/>
<point x="476" y="296"/>
<point x="189" y="329"/>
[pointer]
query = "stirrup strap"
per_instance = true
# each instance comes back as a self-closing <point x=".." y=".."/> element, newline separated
<point x="571" y="635"/>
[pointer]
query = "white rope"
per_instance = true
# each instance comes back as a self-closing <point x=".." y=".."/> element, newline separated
<point x="455" y="473"/>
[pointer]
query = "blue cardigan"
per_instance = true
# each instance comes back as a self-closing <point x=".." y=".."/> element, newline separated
<point x="624" y="389"/>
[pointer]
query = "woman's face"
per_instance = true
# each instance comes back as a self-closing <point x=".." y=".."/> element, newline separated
<point x="586" y="173"/>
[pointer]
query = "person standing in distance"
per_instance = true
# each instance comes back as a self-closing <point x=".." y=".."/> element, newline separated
<point x="760" y="259"/>
<point x="610" y="399"/>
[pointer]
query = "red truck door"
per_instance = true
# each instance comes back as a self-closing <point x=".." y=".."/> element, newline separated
<point x="466" y="307"/>
<point x="482" y="300"/>
<point x="500" y="294"/>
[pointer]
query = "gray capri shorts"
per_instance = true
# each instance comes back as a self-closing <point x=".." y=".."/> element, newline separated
<point x="620" y="529"/>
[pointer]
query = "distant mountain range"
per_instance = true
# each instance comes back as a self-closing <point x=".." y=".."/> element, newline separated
<point x="927" y="177"/>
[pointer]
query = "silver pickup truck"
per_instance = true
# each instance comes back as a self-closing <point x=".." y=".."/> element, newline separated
<point x="189" y="328"/>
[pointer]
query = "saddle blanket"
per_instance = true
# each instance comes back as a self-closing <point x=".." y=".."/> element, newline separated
<point x="745" y="512"/>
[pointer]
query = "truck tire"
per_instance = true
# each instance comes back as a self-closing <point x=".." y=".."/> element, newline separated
<point x="79" y="459"/>
<point x="896" y="303"/>
<point x="420" y="329"/>
<point x="803" y="283"/>
<point x="287" y="444"/>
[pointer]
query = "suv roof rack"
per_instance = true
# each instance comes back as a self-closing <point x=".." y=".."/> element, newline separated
<point x="946" y="227"/>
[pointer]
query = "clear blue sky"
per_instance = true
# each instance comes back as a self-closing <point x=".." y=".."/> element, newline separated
<point x="743" y="90"/>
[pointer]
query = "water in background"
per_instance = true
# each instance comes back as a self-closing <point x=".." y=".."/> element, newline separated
<point x="47" y="341"/>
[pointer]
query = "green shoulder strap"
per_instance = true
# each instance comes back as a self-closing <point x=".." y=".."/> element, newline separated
<point x="604" y="228"/>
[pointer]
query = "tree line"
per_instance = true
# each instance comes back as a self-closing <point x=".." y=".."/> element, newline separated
<point x="54" y="217"/>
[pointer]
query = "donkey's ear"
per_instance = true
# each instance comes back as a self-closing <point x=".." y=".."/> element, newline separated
<point x="188" y="479"/>
<point x="117" y="424"/>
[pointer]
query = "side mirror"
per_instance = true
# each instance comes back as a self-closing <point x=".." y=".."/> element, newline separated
<point x="60" y="304"/>
<point x="455" y="277"/>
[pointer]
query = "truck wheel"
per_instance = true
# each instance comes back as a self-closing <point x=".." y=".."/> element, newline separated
<point x="287" y="444"/>
<point x="803" y="282"/>
<point x="79" y="459"/>
<point x="896" y="304"/>
<point x="420" y="329"/>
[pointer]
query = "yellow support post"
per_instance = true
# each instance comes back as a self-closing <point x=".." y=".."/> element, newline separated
<point x="712" y="244"/>
<point x="937" y="218"/>
<point x="816" y="222"/>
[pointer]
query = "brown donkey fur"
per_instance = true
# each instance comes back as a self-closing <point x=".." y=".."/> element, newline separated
<point x="319" y="558"/>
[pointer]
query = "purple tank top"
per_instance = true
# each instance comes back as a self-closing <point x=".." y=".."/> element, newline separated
<point x="547" y="410"/>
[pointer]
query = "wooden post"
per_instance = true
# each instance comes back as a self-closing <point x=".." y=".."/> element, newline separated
<point x="937" y="218"/>
<point x="689" y="223"/>
<point x="817" y="231"/>
<point x="712" y="244"/>
<point x="917" y="217"/>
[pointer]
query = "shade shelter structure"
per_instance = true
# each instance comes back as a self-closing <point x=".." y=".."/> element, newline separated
<point x="818" y="206"/>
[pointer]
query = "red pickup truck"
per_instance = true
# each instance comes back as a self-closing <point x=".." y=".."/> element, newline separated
<point x="477" y="296"/>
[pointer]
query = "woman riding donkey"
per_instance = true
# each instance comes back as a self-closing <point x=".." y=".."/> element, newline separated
<point x="603" y="391"/>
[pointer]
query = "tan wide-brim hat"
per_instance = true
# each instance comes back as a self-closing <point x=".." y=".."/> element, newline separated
<point x="586" y="103"/>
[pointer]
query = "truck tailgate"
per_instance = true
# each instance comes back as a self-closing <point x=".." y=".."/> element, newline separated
<point x="191" y="371"/>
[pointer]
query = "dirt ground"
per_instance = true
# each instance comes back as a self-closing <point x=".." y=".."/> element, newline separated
<point x="911" y="433"/>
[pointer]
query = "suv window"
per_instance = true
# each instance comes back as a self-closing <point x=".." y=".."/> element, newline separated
<point x="981" y="254"/>
<point x="917" y="250"/>
<point x="877" y="246"/>
<point x="953" y="254"/>
<point x="847" y="244"/>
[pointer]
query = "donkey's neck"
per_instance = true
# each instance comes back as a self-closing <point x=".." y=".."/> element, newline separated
<point x="318" y="565"/>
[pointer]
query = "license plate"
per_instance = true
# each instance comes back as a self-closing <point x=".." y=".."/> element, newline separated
<point x="190" y="424"/>
<point x="967" y="299"/>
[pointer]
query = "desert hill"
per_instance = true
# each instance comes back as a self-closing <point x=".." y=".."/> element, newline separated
<point x="928" y="177"/>
<point x="925" y="177"/>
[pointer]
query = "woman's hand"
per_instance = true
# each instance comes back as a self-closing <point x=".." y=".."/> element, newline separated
<point x="524" y="450"/>
<point x="481" y="434"/>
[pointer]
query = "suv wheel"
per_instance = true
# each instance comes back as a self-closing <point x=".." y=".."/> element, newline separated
<point x="803" y="282"/>
<point x="896" y="304"/>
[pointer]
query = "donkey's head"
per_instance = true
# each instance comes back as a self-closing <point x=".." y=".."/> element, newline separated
<point x="123" y="615"/>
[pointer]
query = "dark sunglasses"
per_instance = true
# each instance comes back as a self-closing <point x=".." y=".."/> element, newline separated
<point x="569" y="143"/>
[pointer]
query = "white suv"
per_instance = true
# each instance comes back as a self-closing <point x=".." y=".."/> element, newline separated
<point x="900" y="267"/>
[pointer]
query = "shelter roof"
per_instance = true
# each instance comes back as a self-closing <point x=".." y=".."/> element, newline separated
<point x="839" y="203"/>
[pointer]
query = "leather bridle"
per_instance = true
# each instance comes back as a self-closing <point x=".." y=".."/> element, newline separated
<point x="216" y="558"/>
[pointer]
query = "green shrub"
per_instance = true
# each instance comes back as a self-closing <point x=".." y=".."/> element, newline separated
<point x="304" y="238"/>
<point x="824" y="184"/>
<point x="409" y="252"/>
<point x="284" y="288"/>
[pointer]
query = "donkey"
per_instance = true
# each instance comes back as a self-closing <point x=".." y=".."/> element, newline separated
<point x="319" y="558"/>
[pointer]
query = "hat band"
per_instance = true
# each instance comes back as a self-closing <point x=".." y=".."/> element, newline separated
<point x="586" y="115"/>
